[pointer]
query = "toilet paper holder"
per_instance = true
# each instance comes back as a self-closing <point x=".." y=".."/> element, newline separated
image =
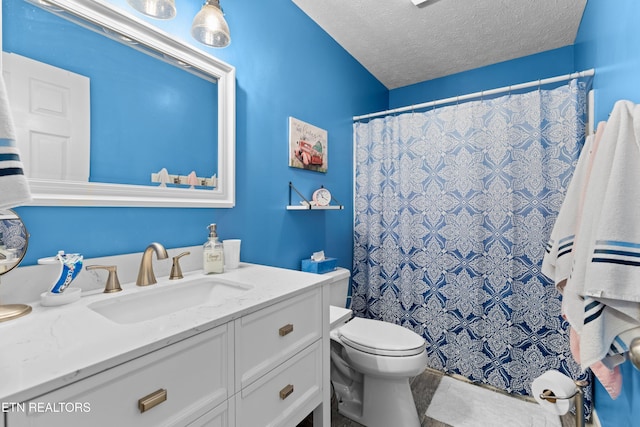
<point x="550" y="396"/>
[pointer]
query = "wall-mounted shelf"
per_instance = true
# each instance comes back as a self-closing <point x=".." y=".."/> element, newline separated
<point x="306" y="205"/>
<point x="314" y="208"/>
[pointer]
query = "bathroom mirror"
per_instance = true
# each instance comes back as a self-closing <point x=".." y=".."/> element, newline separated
<point x="110" y="21"/>
<point x="13" y="240"/>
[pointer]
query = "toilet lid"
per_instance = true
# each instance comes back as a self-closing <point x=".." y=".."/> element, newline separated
<point x="382" y="338"/>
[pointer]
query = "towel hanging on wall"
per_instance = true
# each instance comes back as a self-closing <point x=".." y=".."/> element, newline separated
<point x="558" y="258"/>
<point x="601" y="299"/>
<point x="14" y="188"/>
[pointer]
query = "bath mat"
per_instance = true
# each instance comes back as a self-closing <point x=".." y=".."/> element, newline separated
<point x="460" y="404"/>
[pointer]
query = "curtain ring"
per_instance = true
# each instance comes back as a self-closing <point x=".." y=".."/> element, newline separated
<point x="539" y="84"/>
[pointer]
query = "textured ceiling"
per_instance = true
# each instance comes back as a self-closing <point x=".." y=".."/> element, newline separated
<point x="401" y="44"/>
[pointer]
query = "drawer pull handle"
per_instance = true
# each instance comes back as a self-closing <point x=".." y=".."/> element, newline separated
<point x="285" y="392"/>
<point x="286" y="329"/>
<point x="151" y="400"/>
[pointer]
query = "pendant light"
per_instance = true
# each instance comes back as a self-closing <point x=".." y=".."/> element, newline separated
<point x="209" y="26"/>
<point x="160" y="9"/>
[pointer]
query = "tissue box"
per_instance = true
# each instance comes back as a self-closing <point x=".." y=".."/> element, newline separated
<point x="311" y="266"/>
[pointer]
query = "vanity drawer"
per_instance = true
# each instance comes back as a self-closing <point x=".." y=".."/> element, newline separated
<point x="188" y="378"/>
<point x="221" y="416"/>
<point x="285" y="395"/>
<point x="270" y="336"/>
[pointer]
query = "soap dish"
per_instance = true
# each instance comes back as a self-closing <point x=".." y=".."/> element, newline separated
<point x="49" y="299"/>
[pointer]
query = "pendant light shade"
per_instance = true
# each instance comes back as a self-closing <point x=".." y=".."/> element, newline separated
<point x="160" y="9"/>
<point x="209" y="26"/>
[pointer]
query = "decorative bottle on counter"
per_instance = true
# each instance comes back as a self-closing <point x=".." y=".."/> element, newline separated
<point x="213" y="253"/>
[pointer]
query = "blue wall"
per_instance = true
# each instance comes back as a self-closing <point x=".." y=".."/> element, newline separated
<point x="608" y="41"/>
<point x="529" y="68"/>
<point x="286" y="66"/>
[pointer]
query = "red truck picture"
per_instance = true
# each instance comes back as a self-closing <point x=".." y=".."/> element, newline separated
<point x="309" y="155"/>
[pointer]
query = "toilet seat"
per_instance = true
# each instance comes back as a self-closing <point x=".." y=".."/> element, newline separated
<point x="381" y="338"/>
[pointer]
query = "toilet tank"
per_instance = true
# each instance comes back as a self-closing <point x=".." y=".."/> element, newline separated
<point x="339" y="286"/>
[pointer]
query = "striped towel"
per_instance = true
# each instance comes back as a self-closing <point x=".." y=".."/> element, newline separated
<point x="603" y="303"/>
<point x="558" y="258"/>
<point x="14" y="189"/>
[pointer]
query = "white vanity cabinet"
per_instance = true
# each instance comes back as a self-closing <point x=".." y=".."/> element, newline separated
<point x="268" y="367"/>
<point x="173" y="386"/>
<point x="279" y="362"/>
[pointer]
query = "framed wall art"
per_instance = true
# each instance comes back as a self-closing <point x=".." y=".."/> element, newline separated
<point x="307" y="146"/>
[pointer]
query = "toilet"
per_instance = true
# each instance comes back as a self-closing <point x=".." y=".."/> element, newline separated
<point x="371" y="363"/>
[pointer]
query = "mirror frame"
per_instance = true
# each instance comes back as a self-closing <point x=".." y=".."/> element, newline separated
<point x="116" y="23"/>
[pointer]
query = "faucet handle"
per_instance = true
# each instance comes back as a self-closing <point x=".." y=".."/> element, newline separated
<point x="176" y="271"/>
<point x="113" y="284"/>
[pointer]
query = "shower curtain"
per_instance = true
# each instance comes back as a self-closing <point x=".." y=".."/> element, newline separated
<point x="453" y="208"/>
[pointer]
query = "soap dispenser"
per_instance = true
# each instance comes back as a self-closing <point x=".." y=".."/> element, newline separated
<point x="213" y="253"/>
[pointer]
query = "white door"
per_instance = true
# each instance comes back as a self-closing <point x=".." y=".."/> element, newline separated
<point x="51" y="112"/>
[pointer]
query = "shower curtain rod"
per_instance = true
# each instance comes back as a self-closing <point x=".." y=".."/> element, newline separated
<point x="586" y="73"/>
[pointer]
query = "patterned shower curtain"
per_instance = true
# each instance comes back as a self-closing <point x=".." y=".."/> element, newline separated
<point x="453" y="208"/>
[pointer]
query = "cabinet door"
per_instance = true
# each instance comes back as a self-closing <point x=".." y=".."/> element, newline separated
<point x="272" y="335"/>
<point x="169" y="387"/>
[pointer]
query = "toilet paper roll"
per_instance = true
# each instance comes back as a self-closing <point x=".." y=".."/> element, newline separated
<point x="560" y="385"/>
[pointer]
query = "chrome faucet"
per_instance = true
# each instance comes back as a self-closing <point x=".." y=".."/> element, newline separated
<point x="145" y="274"/>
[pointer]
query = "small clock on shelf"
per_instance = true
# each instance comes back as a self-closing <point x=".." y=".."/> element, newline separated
<point x="321" y="197"/>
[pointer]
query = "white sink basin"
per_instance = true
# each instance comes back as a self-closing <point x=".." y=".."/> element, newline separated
<point x="147" y="304"/>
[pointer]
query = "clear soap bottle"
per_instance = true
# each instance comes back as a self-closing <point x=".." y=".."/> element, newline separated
<point x="213" y="253"/>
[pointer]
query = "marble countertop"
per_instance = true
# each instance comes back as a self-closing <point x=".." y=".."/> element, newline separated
<point x="54" y="346"/>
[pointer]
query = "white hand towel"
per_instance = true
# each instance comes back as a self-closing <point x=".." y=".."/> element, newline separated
<point x="14" y="189"/>
<point x="614" y="268"/>
<point x="572" y="301"/>
<point x="598" y="299"/>
<point x="558" y="259"/>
